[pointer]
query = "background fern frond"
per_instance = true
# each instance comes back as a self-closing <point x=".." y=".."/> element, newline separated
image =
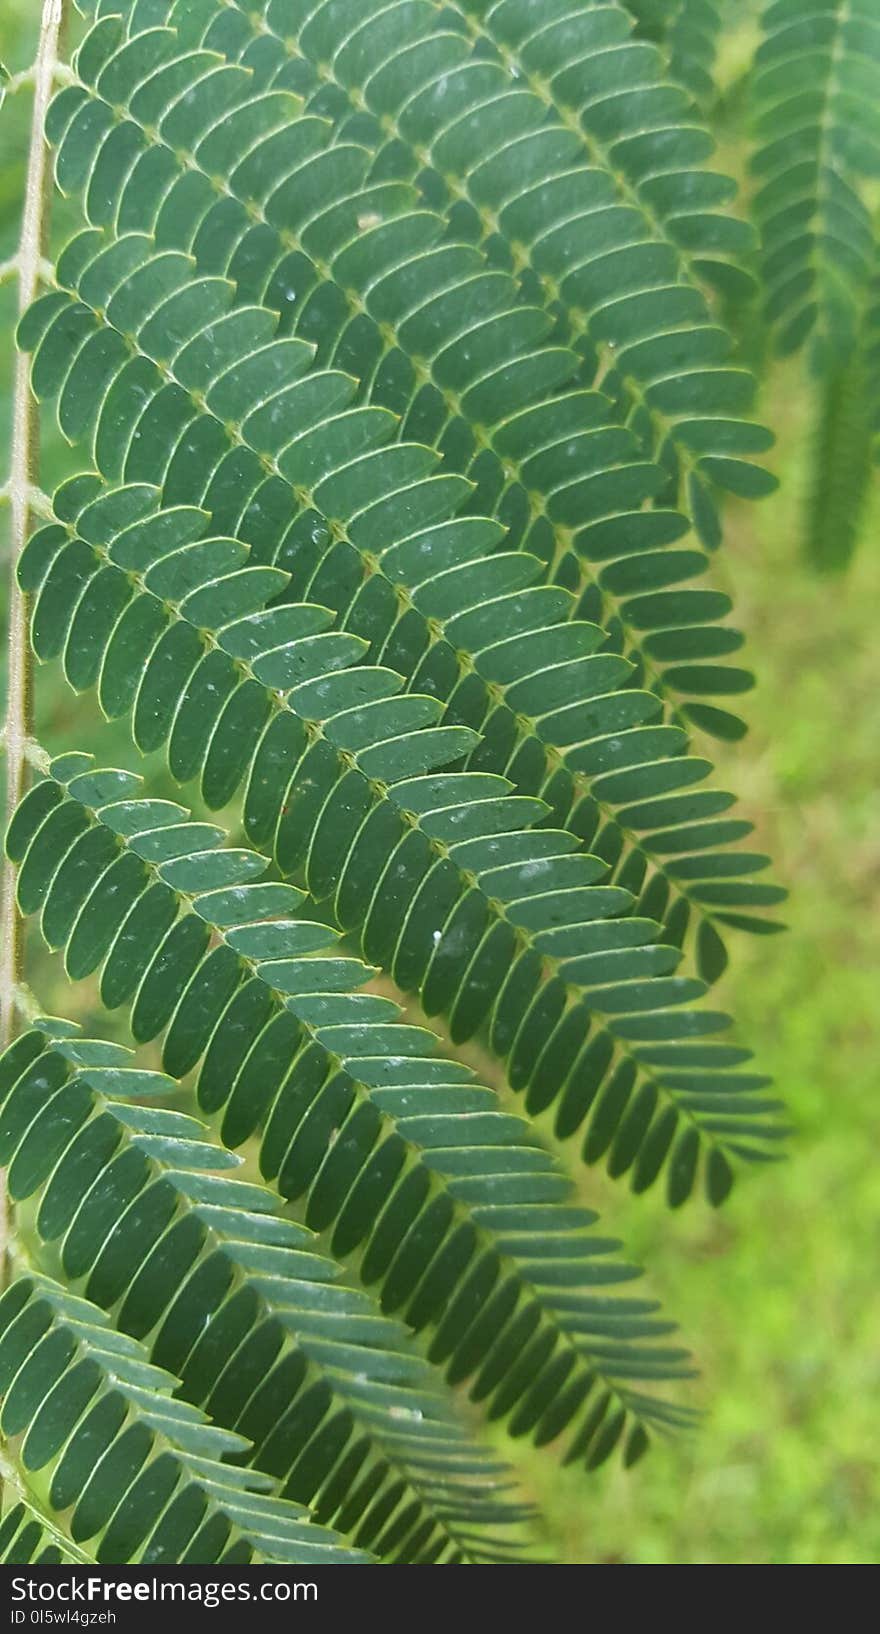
<point x="870" y="352"/>
<point x="817" y="131"/>
<point x="841" y="465"/>
<point x="816" y="161"/>
<point x="687" y="32"/>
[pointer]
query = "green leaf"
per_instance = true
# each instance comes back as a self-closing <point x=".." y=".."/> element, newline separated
<point x="85" y="1397"/>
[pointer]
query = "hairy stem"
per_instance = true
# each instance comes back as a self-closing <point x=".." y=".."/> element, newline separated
<point x="23" y="474"/>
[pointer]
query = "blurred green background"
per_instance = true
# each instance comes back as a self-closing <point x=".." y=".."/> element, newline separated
<point x="777" y="1294"/>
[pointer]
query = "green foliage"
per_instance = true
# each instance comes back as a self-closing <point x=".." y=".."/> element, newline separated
<point x="817" y="127"/>
<point x="315" y="1054"/>
<point x="841" y="467"/>
<point x="817" y="158"/>
<point x="811" y="74"/>
<point x="688" y="31"/>
<point x="489" y="918"/>
<point x="208" y="1266"/>
<point x="387" y="344"/>
<point x="137" y="1475"/>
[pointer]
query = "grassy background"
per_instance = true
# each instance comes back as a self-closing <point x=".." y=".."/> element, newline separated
<point x="777" y="1295"/>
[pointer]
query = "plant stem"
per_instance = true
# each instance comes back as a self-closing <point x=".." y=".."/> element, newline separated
<point x="23" y="474"/>
<point x="11" y="1478"/>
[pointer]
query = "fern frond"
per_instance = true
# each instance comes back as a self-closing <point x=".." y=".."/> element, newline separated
<point x="131" y="1471"/>
<point x="238" y="1301"/>
<point x="395" y="1150"/>
<point x="521" y="127"/>
<point x="389" y="337"/>
<point x="334" y="71"/>
<point x="445" y="878"/>
<point x="817" y="128"/>
<point x="673" y="644"/>
<point x="206" y="1263"/>
<point x="434" y="332"/>
<point x="637" y="122"/>
<point x="692" y="48"/>
<point x="687" y="32"/>
<point x="189" y="411"/>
